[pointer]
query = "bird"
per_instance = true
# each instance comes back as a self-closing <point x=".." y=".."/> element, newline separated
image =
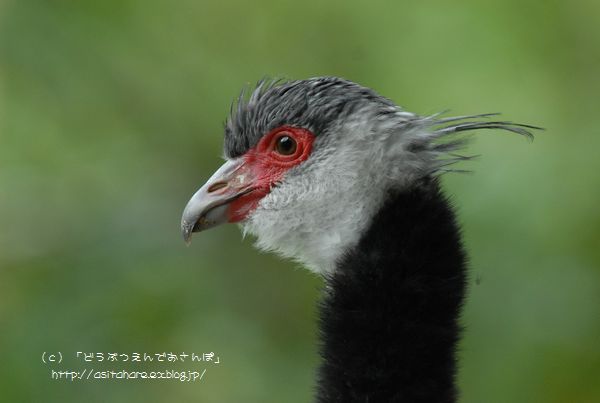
<point x="330" y="174"/>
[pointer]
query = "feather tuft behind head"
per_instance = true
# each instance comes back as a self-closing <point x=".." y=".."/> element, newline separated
<point x="440" y="139"/>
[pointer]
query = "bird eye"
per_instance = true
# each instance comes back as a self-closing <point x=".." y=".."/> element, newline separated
<point x="285" y="145"/>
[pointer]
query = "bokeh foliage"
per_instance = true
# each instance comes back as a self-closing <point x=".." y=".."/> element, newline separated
<point x="111" y="115"/>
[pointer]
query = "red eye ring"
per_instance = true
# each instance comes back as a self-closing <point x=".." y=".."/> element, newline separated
<point x="270" y="151"/>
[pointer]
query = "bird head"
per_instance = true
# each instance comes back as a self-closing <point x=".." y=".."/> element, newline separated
<point x="310" y="162"/>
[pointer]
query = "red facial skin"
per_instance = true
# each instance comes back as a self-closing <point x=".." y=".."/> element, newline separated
<point x="267" y="167"/>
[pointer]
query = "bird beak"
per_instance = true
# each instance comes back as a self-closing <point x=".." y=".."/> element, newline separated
<point x="208" y="207"/>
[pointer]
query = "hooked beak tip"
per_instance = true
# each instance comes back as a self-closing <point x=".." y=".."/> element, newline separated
<point x="186" y="233"/>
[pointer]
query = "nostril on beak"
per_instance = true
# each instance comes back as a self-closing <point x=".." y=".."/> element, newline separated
<point x="216" y="186"/>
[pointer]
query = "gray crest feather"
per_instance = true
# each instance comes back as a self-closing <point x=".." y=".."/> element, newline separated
<point x="443" y="142"/>
<point x="318" y="104"/>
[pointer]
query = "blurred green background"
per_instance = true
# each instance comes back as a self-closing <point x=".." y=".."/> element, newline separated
<point x="111" y="116"/>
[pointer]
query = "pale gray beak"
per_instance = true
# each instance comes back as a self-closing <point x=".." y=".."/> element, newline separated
<point x="208" y="207"/>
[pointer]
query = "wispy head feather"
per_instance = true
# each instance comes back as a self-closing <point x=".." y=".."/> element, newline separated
<point x="440" y="138"/>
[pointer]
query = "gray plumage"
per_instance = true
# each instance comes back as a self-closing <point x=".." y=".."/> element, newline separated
<point x="318" y="103"/>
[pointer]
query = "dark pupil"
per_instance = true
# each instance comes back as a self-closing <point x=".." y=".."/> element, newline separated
<point x="286" y="145"/>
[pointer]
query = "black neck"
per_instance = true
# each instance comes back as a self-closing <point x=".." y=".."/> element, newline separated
<point x="389" y="317"/>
